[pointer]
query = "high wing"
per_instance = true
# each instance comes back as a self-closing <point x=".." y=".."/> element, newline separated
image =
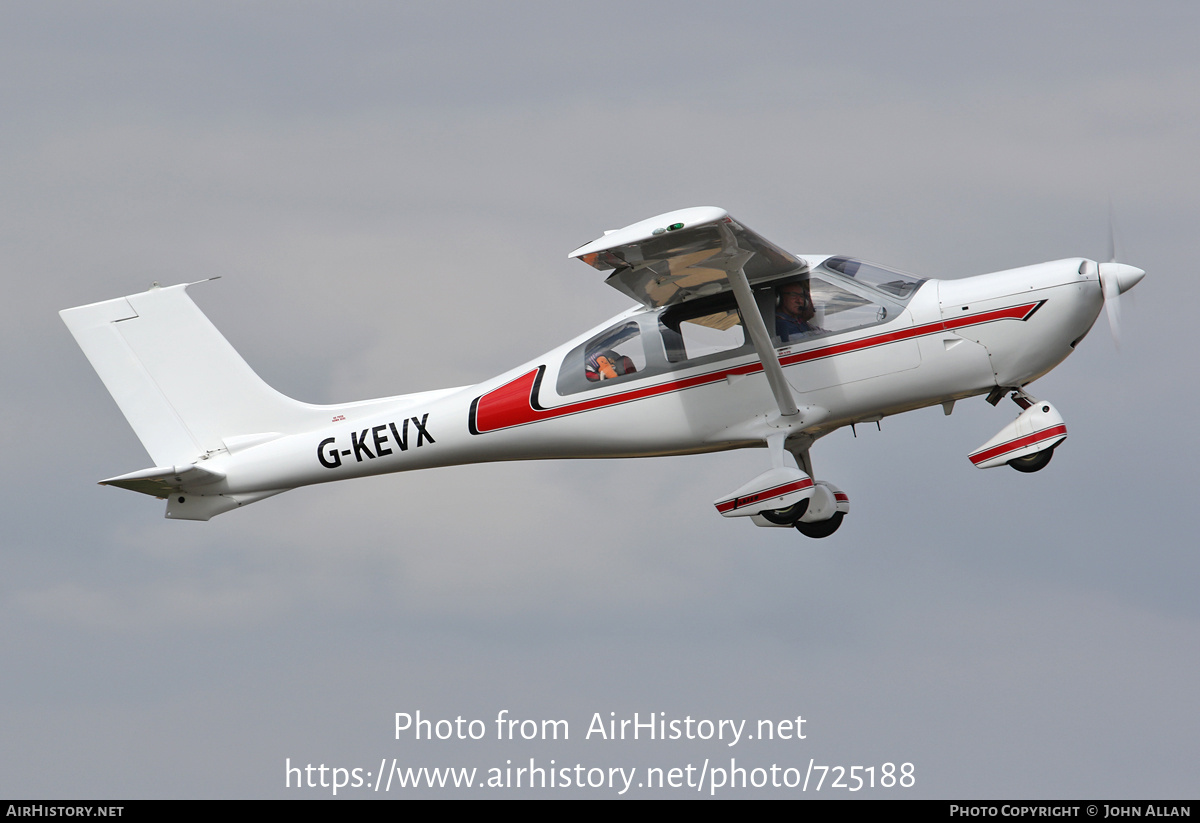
<point x="685" y="254"/>
<point x="692" y="253"/>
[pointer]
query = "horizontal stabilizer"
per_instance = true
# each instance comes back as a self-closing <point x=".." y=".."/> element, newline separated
<point x="184" y="488"/>
<point x="161" y="481"/>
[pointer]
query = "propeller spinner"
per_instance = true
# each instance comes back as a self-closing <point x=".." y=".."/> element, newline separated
<point x="1116" y="279"/>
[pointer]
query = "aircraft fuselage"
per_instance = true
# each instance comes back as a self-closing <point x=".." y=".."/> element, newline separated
<point x="954" y="339"/>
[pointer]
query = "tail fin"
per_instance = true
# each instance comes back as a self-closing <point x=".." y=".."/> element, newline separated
<point x="182" y="387"/>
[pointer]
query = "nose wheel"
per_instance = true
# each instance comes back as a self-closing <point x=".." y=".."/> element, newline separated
<point x="1032" y="462"/>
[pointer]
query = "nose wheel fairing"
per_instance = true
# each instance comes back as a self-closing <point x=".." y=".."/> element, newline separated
<point x="1038" y="430"/>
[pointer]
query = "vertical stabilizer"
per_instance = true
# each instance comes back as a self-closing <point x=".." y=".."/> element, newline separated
<point x="179" y="383"/>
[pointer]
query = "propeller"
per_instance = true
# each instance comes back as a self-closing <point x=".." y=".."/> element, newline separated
<point x="1115" y="279"/>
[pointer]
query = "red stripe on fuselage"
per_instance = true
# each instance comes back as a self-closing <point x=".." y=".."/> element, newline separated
<point x="515" y="403"/>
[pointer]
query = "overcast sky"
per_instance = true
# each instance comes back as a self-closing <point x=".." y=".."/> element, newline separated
<point x="389" y="193"/>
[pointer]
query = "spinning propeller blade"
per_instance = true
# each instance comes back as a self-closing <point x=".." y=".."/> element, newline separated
<point x="1116" y="278"/>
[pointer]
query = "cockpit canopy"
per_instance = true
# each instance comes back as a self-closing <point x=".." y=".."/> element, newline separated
<point x="839" y="295"/>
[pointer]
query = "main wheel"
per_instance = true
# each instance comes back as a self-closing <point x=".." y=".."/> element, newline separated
<point x="1032" y="462"/>
<point x="822" y="528"/>
<point x="788" y="516"/>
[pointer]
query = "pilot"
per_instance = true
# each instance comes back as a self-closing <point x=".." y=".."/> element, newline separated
<point x="795" y="312"/>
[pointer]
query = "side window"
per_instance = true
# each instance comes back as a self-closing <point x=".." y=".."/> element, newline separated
<point x="614" y="355"/>
<point x="694" y="331"/>
<point x="812" y="307"/>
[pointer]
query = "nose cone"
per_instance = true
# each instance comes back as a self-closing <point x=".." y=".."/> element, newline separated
<point x="1121" y="275"/>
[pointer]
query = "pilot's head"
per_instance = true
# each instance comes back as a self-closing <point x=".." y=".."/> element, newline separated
<point x="795" y="300"/>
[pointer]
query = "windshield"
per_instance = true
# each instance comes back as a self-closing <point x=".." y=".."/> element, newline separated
<point x="895" y="283"/>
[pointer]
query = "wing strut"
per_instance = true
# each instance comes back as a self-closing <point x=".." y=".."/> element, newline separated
<point x="755" y="324"/>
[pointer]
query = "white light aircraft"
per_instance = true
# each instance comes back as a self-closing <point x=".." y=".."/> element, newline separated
<point x="734" y="343"/>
